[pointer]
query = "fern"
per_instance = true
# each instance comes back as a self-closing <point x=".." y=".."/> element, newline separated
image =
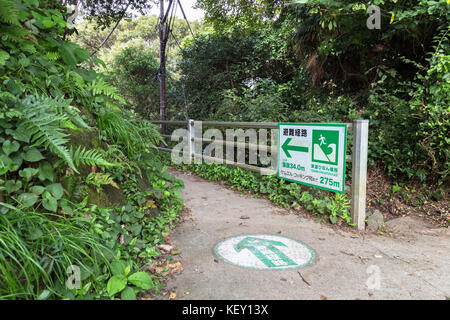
<point x="9" y="12"/>
<point x="76" y="190"/>
<point x="115" y="154"/>
<point x="73" y="113"/>
<point x="52" y="56"/>
<point x="135" y="135"/>
<point x="74" y="120"/>
<point x="99" y="87"/>
<point x="149" y="132"/>
<point x="14" y="33"/>
<point x="93" y="157"/>
<point x="41" y="122"/>
<point x="99" y="179"/>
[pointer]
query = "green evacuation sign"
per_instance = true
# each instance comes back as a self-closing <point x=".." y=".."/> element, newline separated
<point x="313" y="154"/>
<point x="264" y="251"/>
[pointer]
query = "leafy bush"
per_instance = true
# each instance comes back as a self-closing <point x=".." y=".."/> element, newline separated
<point x="134" y="134"/>
<point x="316" y="61"/>
<point x="410" y="124"/>
<point x="135" y="73"/>
<point x="48" y="92"/>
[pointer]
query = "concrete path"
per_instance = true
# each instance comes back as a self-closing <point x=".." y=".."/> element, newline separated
<point x="413" y="265"/>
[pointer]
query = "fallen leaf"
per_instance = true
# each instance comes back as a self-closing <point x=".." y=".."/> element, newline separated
<point x="176" y="267"/>
<point x="165" y="247"/>
<point x="172" y="295"/>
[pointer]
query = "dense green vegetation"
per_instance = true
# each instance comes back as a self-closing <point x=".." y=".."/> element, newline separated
<point x="317" y="61"/>
<point x="314" y="61"/>
<point x="77" y="186"/>
<point x="80" y="183"/>
<point x="307" y="61"/>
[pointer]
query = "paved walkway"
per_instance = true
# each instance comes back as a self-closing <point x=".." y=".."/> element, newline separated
<point x="414" y="265"/>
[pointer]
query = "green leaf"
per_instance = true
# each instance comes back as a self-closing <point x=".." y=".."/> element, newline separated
<point x="66" y="206"/>
<point x="3" y="57"/>
<point x="24" y="62"/>
<point x="56" y="190"/>
<point x="5" y="163"/>
<point x="128" y="294"/>
<point x="135" y="228"/>
<point x="127" y="270"/>
<point x="13" y="87"/>
<point x="17" y="160"/>
<point x="18" y="134"/>
<point x="141" y="279"/>
<point x="10" y="147"/>
<point x="118" y="268"/>
<point x="33" y="155"/>
<point x="67" y="51"/>
<point x="28" y="199"/>
<point x="44" y="295"/>
<point x="116" y="284"/>
<point x="333" y="219"/>
<point x="37" y="190"/>
<point x="13" y="185"/>
<point x="49" y="202"/>
<point x="98" y="61"/>
<point x="36" y="233"/>
<point x="46" y="171"/>
<point x="27" y="173"/>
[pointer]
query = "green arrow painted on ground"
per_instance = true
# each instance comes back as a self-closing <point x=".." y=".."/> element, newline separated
<point x="265" y="251"/>
<point x="286" y="148"/>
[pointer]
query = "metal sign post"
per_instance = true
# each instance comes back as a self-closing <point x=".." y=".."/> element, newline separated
<point x="359" y="172"/>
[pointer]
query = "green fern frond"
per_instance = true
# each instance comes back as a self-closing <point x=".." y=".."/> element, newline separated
<point x="52" y="56"/>
<point x="149" y="132"/>
<point x="7" y="99"/>
<point x="14" y="33"/>
<point x="9" y="13"/>
<point x="41" y="122"/>
<point x="75" y="121"/>
<point x="99" y="179"/>
<point x="76" y="118"/>
<point x="116" y="155"/>
<point x="99" y="87"/>
<point x="92" y="157"/>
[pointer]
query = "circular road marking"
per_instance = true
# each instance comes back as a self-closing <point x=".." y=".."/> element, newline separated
<point x="264" y="251"/>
